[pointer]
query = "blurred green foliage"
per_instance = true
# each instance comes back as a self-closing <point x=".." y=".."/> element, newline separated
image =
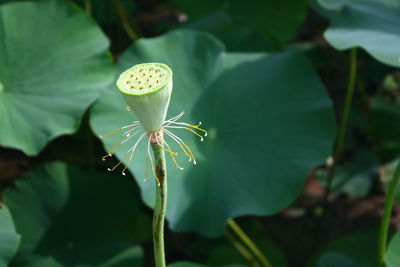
<point x="392" y="256"/>
<point x="265" y="77"/>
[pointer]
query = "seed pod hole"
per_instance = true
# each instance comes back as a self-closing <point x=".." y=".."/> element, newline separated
<point x="142" y="77"/>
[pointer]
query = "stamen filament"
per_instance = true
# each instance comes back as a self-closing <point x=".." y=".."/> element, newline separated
<point x="192" y="126"/>
<point x="110" y="133"/>
<point x="177" y="117"/>
<point x="182" y="145"/>
<point x="130" y="136"/>
<point x="165" y="149"/>
<point x="135" y="123"/>
<point x="119" y="141"/>
<point x="111" y="153"/>
<point x="175" y="138"/>
<point x="132" y="150"/>
<point x="188" y="129"/>
<point x="172" y="156"/>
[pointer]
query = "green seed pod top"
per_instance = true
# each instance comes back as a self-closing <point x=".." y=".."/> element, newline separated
<point x="147" y="89"/>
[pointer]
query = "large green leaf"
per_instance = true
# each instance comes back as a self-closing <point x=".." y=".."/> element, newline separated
<point x="185" y="264"/>
<point x="276" y="21"/>
<point x="354" y="249"/>
<point x="337" y="5"/>
<point x="9" y="238"/>
<point x="73" y="217"/>
<point x="392" y="257"/>
<point x="234" y="34"/>
<point x="336" y="260"/>
<point x="383" y="127"/>
<point x="53" y="65"/>
<point x="269" y="120"/>
<point x="387" y="173"/>
<point x="370" y="24"/>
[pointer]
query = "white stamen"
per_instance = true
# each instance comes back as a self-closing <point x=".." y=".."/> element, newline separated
<point x="188" y="129"/>
<point x="189" y="153"/>
<point x="176" y="163"/>
<point x="132" y="135"/>
<point x="174" y="119"/>
<point x="130" y="125"/>
<point x="176" y="139"/>
<point x="136" y="144"/>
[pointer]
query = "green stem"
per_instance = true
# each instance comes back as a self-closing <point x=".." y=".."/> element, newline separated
<point x="343" y="120"/>
<point x="249" y="243"/>
<point x="242" y="250"/>
<point x="160" y="206"/>
<point x="88" y="7"/>
<point x="125" y="21"/>
<point x="385" y="223"/>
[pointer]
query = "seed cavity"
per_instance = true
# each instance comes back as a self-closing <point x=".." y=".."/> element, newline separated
<point x="146" y="79"/>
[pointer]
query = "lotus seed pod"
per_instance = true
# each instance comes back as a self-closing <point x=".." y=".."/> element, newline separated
<point x="147" y="89"/>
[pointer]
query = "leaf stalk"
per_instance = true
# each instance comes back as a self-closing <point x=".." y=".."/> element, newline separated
<point x="385" y="223"/>
<point x="249" y="243"/>
<point x="338" y="149"/>
<point x="160" y="205"/>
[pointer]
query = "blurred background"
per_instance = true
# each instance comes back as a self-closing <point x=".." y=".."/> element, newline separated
<point x="300" y="98"/>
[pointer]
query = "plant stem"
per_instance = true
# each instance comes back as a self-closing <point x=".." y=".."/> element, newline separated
<point x="125" y="21"/>
<point x="343" y="121"/>
<point x="242" y="250"/>
<point x="249" y="243"/>
<point x="160" y="206"/>
<point x="385" y="223"/>
<point x="88" y="7"/>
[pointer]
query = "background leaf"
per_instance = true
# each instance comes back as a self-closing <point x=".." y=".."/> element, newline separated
<point x="370" y="24"/>
<point x="385" y="115"/>
<point x="242" y="100"/>
<point x="336" y="260"/>
<point x="185" y="264"/>
<point x="242" y="29"/>
<point x="64" y="218"/>
<point x="53" y="65"/>
<point x="392" y="257"/>
<point x="357" y="249"/>
<point x="356" y="176"/>
<point x="9" y="238"/>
